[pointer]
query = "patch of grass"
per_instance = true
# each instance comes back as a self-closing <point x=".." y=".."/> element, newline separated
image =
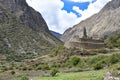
<point x="88" y="75"/>
<point x="22" y="77"/>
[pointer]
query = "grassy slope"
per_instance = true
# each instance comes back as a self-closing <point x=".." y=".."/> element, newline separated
<point x="88" y="75"/>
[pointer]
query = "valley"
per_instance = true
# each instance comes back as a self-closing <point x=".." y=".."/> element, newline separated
<point x="65" y="62"/>
<point x="30" y="51"/>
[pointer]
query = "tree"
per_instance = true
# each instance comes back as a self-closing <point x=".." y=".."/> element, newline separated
<point x="84" y="33"/>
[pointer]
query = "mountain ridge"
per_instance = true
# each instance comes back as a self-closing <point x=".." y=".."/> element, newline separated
<point x="23" y="30"/>
<point x="56" y="34"/>
<point x="99" y="26"/>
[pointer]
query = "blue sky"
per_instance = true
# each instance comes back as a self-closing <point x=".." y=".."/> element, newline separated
<point x="63" y="14"/>
<point x="68" y="6"/>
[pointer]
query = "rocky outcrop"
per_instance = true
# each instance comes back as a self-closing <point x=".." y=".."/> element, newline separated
<point x="109" y="76"/>
<point x="23" y="30"/>
<point x="25" y="13"/>
<point x="99" y="26"/>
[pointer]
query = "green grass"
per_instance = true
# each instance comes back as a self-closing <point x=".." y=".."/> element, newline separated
<point x="88" y="75"/>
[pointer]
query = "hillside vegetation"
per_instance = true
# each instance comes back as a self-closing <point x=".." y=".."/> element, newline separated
<point x="113" y="41"/>
<point x="28" y="51"/>
<point x="88" y="75"/>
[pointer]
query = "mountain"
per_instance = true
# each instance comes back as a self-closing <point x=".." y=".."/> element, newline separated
<point x="99" y="26"/>
<point x="57" y="35"/>
<point x="23" y="30"/>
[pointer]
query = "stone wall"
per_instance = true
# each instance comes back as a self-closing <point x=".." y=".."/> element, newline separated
<point x="85" y="45"/>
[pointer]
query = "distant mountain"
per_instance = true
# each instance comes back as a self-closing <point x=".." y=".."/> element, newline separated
<point x="57" y="35"/>
<point x="23" y="30"/>
<point x="99" y="26"/>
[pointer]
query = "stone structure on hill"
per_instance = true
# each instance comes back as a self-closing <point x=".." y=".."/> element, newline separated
<point x="99" y="26"/>
<point x="85" y="42"/>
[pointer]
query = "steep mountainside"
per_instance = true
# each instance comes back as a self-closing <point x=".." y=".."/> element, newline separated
<point x="23" y="30"/>
<point x="57" y="35"/>
<point x="98" y="26"/>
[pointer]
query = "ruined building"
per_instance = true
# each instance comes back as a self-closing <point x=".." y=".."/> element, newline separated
<point x="85" y="42"/>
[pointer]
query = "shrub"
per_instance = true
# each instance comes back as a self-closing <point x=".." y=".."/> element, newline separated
<point x="4" y="68"/>
<point x="24" y="68"/>
<point x="92" y="52"/>
<point x="12" y="72"/>
<point x="118" y="43"/>
<point x="115" y="66"/>
<point x="55" y="65"/>
<point x="102" y="50"/>
<point x="98" y="66"/>
<point x="113" y="41"/>
<point x="43" y="67"/>
<point x="114" y="58"/>
<point x="85" y="52"/>
<point x="38" y="67"/>
<point x="22" y="77"/>
<point x="97" y="61"/>
<point x="75" y="60"/>
<point x="58" y="50"/>
<point x="80" y="69"/>
<point x="53" y="72"/>
<point x="30" y="68"/>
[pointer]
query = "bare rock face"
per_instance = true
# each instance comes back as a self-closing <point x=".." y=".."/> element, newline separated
<point x="109" y="76"/>
<point x="112" y="5"/>
<point x="26" y="14"/>
<point x="98" y="26"/>
<point x="23" y="30"/>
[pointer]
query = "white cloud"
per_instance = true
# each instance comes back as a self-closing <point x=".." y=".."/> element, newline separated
<point x="92" y="9"/>
<point x="82" y="0"/>
<point x="59" y="20"/>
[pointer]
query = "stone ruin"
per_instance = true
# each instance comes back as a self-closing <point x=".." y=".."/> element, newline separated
<point x="85" y="42"/>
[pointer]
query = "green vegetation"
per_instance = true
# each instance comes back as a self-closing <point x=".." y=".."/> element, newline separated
<point x="58" y="50"/>
<point x="113" y="41"/>
<point x="18" y="57"/>
<point x="65" y="60"/>
<point x="75" y="60"/>
<point x="71" y="61"/>
<point x="22" y="77"/>
<point x="53" y="72"/>
<point x="43" y="67"/>
<point x="22" y="47"/>
<point x="88" y="75"/>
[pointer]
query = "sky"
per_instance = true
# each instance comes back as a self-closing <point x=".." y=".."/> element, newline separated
<point x="63" y="14"/>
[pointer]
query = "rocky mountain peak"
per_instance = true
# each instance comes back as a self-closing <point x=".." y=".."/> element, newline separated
<point x="26" y="14"/>
<point x="13" y="4"/>
<point x="114" y="4"/>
